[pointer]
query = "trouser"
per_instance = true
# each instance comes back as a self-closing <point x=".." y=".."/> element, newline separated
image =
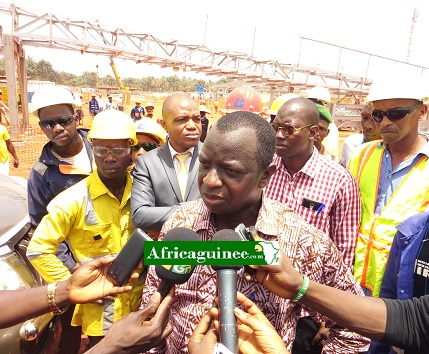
<point x="70" y="335"/>
<point x="306" y="329"/>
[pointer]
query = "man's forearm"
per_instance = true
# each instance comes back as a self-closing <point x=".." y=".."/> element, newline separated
<point x="364" y="315"/>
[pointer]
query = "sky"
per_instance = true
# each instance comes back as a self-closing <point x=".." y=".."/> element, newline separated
<point x="270" y="28"/>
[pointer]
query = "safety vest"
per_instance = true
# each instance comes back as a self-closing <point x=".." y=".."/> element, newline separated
<point x="376" y="232"/>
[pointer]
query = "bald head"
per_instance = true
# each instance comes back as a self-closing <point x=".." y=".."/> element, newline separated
<point x="306" y="110"/>
<point x="175" y="101"/>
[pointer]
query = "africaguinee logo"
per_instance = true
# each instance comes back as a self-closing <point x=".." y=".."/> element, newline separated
<point x="211" y="253"/>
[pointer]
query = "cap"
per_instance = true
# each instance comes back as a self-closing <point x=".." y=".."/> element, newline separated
<point x="324" y="113"/>
<point x="204" y="109"/>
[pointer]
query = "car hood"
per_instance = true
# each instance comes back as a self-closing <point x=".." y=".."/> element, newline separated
<point x="13" y="205"/>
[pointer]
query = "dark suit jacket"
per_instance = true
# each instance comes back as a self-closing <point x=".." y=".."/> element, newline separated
<point x="156" y="194"/>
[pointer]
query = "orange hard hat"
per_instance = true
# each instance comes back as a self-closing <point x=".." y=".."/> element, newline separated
<point x="243" y="98"/>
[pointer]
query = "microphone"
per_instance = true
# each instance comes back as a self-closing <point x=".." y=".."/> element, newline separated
<point x="227" y="294"/>
<point x="175" y="274"/>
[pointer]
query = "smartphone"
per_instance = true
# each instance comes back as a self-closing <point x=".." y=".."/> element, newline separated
<point x="128" y="258"/>
<point x="313" y="205"/>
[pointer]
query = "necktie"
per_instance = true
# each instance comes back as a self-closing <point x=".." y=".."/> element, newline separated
<point x="183" y="172"/>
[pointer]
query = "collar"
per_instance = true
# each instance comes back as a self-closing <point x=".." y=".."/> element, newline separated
<point x="270" y="220"/>
<point x="97" y="188"/>
<point x="174" y="152"/>
<point x="310" y="168"/>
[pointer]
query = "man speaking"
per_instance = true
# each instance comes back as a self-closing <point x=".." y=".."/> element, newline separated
<point x="235" y="165"/>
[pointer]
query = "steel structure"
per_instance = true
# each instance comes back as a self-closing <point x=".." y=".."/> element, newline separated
<point x="47" y="30"/>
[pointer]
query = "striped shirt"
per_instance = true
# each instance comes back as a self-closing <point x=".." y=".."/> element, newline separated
<point x="324" y="181"/>
<point x="310" y="251"/>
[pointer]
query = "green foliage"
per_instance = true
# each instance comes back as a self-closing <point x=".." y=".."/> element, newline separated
<point x="42" y="70"/>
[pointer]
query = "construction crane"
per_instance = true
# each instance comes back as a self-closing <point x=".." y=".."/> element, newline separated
<point x="118" y="78"/>
<point x="414" y="19"/>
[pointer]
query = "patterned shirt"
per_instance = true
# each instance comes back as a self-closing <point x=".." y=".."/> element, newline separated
<point x="310" y="250"/>
<point x="326" y="182"/>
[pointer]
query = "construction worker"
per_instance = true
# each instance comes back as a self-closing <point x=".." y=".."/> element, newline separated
<point x="6" y="148"/>
<point x="325" y="120"/>
<point x="205" y="122"/>
<point x="3" y="109"/>
<point x="150" y="135"/>
<point x="137" y="112"/>
<point x="149" y="110"/>
<point x="392" y="173"/>
<point x="321" y="95"/>
<point x="277" y="103"/>
<point x="93" y="106"/>
<point x="79" y="109"/>
<point x="109" y="104"/>
<point x="94" y="217"/>
<point x="65" y="160"/>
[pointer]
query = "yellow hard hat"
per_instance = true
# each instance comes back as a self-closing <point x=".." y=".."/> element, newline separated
<point x="278" y="102"/>
<point x="113" y="124"/>
<point x="51" y="95"/>
<point x="150" y="127"/>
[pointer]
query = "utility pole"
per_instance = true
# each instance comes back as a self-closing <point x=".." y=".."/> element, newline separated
<point x="413" y="23"/>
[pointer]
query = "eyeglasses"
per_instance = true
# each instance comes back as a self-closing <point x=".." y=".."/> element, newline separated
<point x="102" y="151"/>
<point x="145" y="146"/>
<point x="393" y="114"/>
<point x="51" y="123"/>
<point x="288" y="129"/>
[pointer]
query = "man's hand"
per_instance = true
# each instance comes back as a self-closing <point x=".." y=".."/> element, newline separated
<point x="90" y="282"/>
<point x="321" y="335"/>
<point x="139" y="331"/>
<point x="15" y="163"/>
<point x="282" y="279"/>
<point x="205" y="335"/>
<point x="256" y="334"/>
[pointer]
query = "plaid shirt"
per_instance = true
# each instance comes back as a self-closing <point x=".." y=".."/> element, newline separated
<point x="324" y="181"/>
<point x="311" y="252"/>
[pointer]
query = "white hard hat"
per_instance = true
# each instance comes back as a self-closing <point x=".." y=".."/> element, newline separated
<point x="51" y="95"/>
<point x="149" y="126"/>
<point x="406" y="86"/>
<point x="149" y="104"/>
<point x="320" y="93"/>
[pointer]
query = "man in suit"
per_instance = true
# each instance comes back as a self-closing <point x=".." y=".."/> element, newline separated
<point x="161" y="181"/>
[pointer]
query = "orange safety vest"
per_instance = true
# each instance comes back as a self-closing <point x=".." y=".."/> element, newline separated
<point x="376" y="232"/>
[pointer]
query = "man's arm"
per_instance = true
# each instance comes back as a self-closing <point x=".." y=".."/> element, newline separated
<point x="52" y="230"/>
<point x="364" y="315"/>
<point x="12" y="151"/>
<point x="345" y="220"/>
<point x="144" y="212"/>
<point x="38" y="195"/>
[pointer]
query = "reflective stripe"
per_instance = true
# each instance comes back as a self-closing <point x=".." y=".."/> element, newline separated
<point x="108" y="314"/>
<point x="376" y="232"/>
<point x="90" y="215"/>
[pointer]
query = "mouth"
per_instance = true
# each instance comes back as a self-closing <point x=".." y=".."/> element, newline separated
<point x="193" y="136"/>
<point x="213" y="198"/>
<point x="61" y="137"/>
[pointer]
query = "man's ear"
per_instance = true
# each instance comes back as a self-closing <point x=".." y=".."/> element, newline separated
<point x="163" y="124"/>
<point x="266" y="175"/>
<point x="314" y="131"/>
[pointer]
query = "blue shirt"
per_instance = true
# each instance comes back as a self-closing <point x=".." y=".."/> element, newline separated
<point x="390" y="178"/>
<point x="398" y="280"/>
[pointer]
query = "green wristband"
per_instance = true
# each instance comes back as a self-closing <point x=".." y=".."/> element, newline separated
<point x="303" y="289"/>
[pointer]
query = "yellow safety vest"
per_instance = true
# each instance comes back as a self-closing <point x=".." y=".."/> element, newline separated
<point x="376" y="232"/>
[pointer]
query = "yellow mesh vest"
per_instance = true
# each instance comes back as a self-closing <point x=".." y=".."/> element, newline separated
<point x="376" y="232"/>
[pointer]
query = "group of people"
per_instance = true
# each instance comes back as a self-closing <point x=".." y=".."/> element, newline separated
<point x="96" y="106"/>
<point x="335" y="226"/>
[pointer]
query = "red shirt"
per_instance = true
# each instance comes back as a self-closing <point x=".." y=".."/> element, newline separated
<point x="327" y="182"/>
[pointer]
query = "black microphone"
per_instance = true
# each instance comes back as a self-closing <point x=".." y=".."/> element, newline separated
<point x="227" y="294"/>
<point x="175" y="274"/>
